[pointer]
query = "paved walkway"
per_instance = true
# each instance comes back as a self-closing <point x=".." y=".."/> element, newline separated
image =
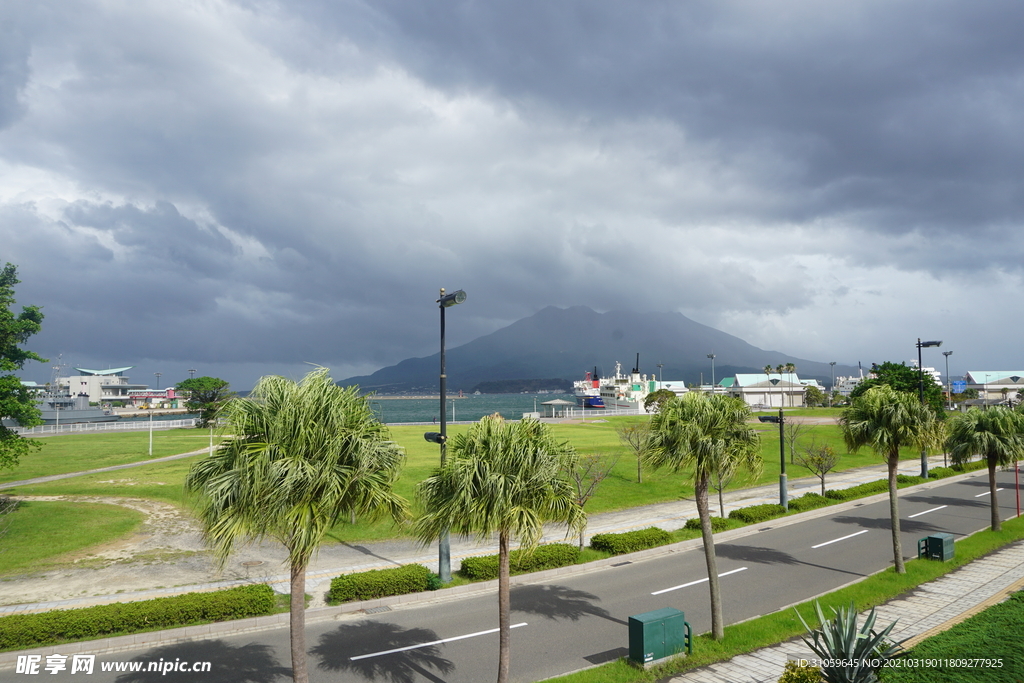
<point x="931" y="608"/>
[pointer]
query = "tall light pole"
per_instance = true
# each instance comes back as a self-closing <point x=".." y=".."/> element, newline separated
<point x="158" y="375"/>
<point x="660" y="378"/>
<point x="712" y="357"/>
<point x="832" y="365"/>
<point x="191" y="373"/>
<point x="949" y="394"/>
<point x="920" y="395"/>
<point x="444" y="553"/>
<point x="781" y="421"/>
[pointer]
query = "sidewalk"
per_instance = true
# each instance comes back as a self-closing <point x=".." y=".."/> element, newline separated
<point x="929" y="609"/>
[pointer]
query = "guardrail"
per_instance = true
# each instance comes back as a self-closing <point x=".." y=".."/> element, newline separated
<point x="118" y="426"/>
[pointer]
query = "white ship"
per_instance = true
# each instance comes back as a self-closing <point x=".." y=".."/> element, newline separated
<point x="627" y="392"/>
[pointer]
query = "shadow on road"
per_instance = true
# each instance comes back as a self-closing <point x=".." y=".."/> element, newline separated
<point x="942" y="500"/>
<point x="558" y="602"/>
<point x="906" y="525"/>
<point x="252" y="663"/>
<point x="761" y="555"/>
<point x="337" y="648"/>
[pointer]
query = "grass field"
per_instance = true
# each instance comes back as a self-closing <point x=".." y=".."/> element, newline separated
<point x="43" y="534"/>
<point x="164" y="481"/>
<point x="78" y="452"/>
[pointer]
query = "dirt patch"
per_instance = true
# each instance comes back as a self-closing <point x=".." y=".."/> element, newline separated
<point x="166" y="551"/>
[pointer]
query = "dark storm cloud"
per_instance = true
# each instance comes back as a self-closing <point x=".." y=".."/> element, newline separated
<point x="275" y="183"/>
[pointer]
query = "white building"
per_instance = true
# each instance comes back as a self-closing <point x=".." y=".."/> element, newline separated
<point x="102" y="386"/>
<point x="769" y="391"/>
<point x="992" y="383"/>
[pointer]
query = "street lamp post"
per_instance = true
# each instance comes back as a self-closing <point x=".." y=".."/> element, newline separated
<point x="444" y="555"/>
<point x="832" y="365"/>
<point x="949" y="394"/>
<point x="191" y="373"/>
<point x="920" y="395"/>
<point x="660" y="378"/>
<point x="781" y="421"/>
<point x="158" y="375"/>
<point x="712" y="357"/>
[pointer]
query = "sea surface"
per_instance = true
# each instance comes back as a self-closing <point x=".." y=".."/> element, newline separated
<point x="468" y="409"/>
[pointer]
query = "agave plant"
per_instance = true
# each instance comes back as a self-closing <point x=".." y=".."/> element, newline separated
<point x="848" y="653"/>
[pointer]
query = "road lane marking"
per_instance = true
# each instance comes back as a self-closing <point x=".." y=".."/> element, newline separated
<point x="433" y="642"/>
<point x="986" y="493"/>
<point x="927" y="511"/>
<point x="694" y="583"/>
<point x="836" y="540"/>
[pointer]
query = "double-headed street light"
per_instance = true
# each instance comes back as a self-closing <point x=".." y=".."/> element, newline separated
<point x="949" y="393"/>
<point x="444" y="554"/>
<point x="832" y="364"/>
<point x="920" y="395"/>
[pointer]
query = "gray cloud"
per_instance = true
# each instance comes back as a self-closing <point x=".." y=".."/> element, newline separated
<point x="253" y="184"/>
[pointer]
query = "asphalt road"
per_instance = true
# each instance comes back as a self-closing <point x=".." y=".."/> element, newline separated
<point x="581" y="620"/>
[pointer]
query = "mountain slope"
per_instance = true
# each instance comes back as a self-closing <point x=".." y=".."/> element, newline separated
<point x="564" y="343"/>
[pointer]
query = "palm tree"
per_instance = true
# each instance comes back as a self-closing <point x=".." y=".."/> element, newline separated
<point x="704" y="434"/>
<point x="300" y="455"/>
<point x="768" y="392"/>
<point x="504" y="477"/>
<point x="780" y="368"/>
<point x="997" y="434"/>
<point x="791" y="369"/>
<point x="885" y="420"/>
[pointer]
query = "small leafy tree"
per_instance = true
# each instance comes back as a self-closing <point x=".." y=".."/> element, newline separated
<point x="206" y="395"/>
<point x="814" y="397"/>
<point x="653" y="400"/>
<point x="638" y="437"/>
<point x="793" y="430"/>
<point x="16" y="402"/>
<point x="820" y="460"/>
<point x="586" y="474"/>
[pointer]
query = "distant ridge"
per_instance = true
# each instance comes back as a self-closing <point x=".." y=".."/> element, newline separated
<point x="566" y="342"/>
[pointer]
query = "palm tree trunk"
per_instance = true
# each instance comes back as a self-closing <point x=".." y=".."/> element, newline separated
<point x="996" y="523"/>
<point x="894" y="514"/>
<point x="701" y="491"/>
<point x="297" y="623"/>
<point x="504" y="608"/>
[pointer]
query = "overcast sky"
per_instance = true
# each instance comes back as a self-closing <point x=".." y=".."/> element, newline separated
<point x="247" y="187"/>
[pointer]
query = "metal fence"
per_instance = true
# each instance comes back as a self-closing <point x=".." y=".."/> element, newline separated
<point x="90" y="427"/>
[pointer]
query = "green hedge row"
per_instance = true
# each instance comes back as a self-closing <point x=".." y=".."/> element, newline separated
<point x="630" y="541"/>
<point x="717" y="524"/>
<point x="380" y="583"/>
<point x="542" y="557"/>
<point x="20" y="631"/>
<point x="808" y="501"/>
<point x="752" y="514"/>
<point x="867" y="489"/>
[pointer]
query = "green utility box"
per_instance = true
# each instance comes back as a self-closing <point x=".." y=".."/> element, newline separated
<point x="936" y="547"/>
<point x="657" y="635"/>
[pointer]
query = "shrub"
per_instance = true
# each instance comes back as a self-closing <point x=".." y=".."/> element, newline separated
<point x="20" y="631"/>
<point x="630" y="541"/>
<point x="970" y="466"/>
<point x="379" y="583"/>
<point x="717" y="524"/>
<point x="752" y="514"/>
<point x="795" y="673"/>
<point x="941" y="472"/>
<point x="859" y="491"/>
<point x="543" y="557"/>
<point x="808" y="501"/>
<point x="907" y="480"/>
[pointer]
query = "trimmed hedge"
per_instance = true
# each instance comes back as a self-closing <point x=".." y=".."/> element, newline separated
<point x="20" y="631"/>
<point x="380" y="583"/>
<point x="808" y="501"/>
<point x="867" y="489"/>
<point x="717" y="524"/>
<point x="752" y="514"/>
<point x="630" y="541"/>
<point x="550" y="556"/>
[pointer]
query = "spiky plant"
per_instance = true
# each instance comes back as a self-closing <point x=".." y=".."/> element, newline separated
<point x="850" y="654"/>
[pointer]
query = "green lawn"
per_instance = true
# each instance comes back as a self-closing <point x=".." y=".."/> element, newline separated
<point x="164" y="481"/>
<point x="42" y="534"/>
<point x="78" y="452"/>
